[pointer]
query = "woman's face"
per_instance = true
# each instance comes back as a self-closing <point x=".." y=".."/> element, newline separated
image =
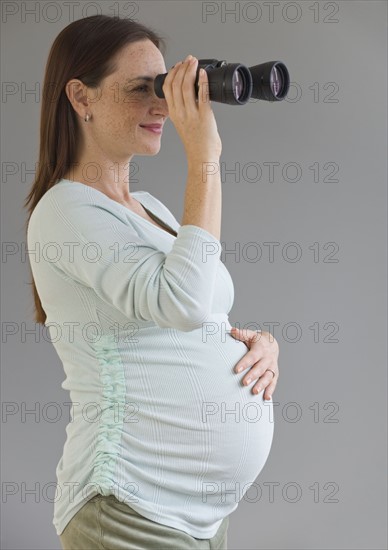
<point x="121" y="105"/>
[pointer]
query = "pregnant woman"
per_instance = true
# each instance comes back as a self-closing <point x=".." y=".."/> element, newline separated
<point x="165" y="436"/>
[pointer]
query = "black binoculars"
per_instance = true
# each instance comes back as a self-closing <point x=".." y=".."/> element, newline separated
<point x="235" y="84"/>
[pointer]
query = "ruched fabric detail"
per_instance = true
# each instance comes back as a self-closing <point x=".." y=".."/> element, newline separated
<point x="112" y="404"/>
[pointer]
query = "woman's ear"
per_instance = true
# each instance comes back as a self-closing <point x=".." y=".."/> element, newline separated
<point x="76" y="92"/>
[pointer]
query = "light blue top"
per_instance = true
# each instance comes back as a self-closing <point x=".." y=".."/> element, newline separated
<point x="139" y="319"/>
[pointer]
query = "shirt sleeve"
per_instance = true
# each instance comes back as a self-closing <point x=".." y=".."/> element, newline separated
<point x="96" y="247"/>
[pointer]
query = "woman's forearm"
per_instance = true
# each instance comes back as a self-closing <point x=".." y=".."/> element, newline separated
<point x="203" y="197"/>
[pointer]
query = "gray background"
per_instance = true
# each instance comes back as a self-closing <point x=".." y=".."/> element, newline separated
<point x="335" y="460"/>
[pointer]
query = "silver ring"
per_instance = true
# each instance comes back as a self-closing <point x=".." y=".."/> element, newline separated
<point x="272" y="373"/>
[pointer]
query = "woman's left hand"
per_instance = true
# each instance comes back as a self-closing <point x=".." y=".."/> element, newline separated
<point x="262" y="355"/>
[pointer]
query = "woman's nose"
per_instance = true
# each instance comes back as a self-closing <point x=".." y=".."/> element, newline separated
<point x="160" y="106"/>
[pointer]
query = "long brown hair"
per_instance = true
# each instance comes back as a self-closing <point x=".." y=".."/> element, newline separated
<point x="85" y="50"/>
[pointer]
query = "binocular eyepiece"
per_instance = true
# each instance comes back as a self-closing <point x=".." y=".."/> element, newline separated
<point x="235" y="84"/>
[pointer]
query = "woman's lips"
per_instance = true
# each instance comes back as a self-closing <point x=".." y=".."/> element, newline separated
<point x="154" y="128"/>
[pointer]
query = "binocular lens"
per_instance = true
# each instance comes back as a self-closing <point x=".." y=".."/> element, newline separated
<point x="271" y="81"/>
<point x="279" y="81"/>
<point x="275" y="81"/>
<point x="237" y="84"/>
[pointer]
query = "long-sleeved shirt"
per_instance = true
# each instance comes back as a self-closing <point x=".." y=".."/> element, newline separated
<point x="139" y="318"/>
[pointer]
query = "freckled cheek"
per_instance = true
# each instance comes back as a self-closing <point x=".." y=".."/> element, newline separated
<point x="119" y="123"/>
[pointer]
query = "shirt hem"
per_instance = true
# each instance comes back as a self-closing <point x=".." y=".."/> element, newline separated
<point x="160" y="518"/>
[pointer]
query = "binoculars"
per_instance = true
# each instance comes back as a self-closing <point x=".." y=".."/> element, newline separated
<point x="235" y="84"/>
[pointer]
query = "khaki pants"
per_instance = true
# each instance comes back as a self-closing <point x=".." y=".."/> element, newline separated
<point x="105" y="523"/>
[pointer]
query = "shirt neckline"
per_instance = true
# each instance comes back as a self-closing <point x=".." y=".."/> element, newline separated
<point x="127" y="209"/>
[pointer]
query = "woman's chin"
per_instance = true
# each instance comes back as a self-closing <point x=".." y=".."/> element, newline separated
<point x="150" y="150"/>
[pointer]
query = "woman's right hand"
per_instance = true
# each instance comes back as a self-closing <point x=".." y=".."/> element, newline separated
<point x="193" y="119"/>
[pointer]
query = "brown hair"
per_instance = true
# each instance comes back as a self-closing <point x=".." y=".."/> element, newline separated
<point x="85" y="50"/>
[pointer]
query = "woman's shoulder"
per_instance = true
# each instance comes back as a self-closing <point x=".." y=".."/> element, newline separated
<point x="73" y="204"/>
<point x="64" y="190"/>
<point x="74" y="197"/>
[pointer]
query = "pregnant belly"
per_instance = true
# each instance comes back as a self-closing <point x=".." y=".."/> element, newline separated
<point x="198" y="418"/>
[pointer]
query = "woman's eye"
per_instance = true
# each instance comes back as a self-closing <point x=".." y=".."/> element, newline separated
<point x="141" y="89"/>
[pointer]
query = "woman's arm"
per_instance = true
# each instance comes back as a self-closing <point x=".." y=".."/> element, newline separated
<point x="194" y="121"/>
<point x="203" y="198"/>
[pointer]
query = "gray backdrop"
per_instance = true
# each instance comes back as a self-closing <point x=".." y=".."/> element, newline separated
<point x="307" y="174"/>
